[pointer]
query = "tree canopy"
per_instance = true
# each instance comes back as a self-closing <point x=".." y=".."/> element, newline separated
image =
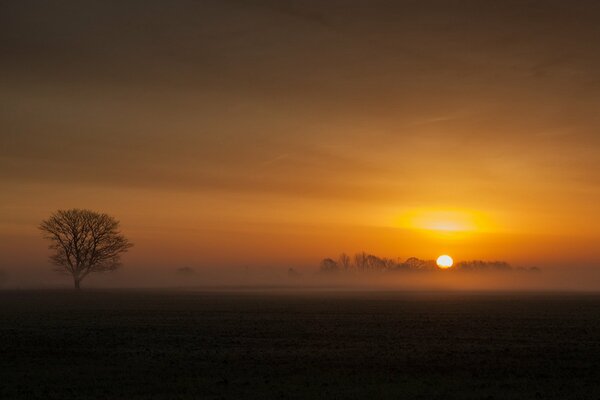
<point x="84" y="242"/>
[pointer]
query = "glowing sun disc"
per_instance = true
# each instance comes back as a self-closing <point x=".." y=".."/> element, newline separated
<point x="444" y="261"/>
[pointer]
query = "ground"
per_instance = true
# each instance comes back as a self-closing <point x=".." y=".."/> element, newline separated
<point x="194" y="344"/>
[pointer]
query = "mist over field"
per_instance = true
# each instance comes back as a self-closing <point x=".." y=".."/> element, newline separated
<point x="276" y="278"/>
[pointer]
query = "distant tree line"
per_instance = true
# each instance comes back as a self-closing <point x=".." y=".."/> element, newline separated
<point x="364" y="262"/>
<point x="478" y="265"/>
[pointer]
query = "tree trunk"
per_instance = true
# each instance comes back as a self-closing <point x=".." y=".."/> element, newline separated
<point x="76" y="281"/>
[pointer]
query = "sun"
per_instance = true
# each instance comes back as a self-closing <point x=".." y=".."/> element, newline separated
<point x="444" y="261"/>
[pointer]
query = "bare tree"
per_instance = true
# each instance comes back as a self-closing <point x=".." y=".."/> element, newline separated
<point x="83" y="242"/>
<point x="360" y="260"/>
<point x="328" y="265"/>
<point x="414" y="263"/>
<point x="344" y="262"/>
<point x="375" y="263"/>
<point x="479" y="265"/>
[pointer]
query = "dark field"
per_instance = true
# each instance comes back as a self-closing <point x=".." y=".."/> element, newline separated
<point x="180" y="345"/>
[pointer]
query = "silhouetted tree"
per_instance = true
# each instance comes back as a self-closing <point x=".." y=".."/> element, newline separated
<point x="479" y="265"/>
<point x="368" y="262"/>
<point x="389" y="264"/>
<point x="401" y="266"/>
<point x="328" y="265"/>
<point x="414" y="263"/>
<point x="83" y="242"/>
<point x="375" y="263"/>
<point x="365" y="262"/>
<point x="360" y="261"/>
<point x="344" y="262"/>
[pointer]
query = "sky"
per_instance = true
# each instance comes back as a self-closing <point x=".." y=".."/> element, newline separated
<point x="273" y="133"/>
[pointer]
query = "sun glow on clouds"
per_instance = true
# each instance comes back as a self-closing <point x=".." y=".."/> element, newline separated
<point x="444" y="220"/>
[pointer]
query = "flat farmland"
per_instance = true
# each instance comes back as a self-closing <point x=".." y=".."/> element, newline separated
<point x="142" y="344"/>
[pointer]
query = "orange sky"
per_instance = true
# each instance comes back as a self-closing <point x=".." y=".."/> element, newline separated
<point x="270" y="133"/>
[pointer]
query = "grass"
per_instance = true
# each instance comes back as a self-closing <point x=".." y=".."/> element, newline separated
<point x="184" y="345"/>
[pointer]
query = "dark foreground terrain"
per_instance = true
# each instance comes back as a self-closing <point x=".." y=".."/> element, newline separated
<point x="180" y="345"/>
